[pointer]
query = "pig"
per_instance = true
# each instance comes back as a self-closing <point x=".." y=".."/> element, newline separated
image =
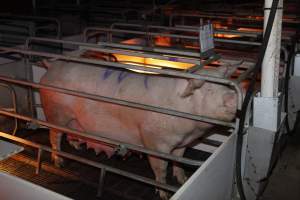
<point x="155" y="131"/>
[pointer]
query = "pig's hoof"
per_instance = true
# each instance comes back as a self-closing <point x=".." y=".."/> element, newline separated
<point x="163" y="194"/>
<point x="180" y="175"/>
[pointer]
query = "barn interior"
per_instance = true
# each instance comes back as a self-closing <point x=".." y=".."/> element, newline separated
<point x="253" y="155"/>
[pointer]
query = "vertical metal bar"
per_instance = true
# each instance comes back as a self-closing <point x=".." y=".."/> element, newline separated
<point x="39" y="161"/>
<point x="101" y="182"/>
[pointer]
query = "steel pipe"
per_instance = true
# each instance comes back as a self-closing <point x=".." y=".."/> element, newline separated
<point x="125" y="51"/>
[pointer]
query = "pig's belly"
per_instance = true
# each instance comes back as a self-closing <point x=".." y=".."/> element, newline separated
<point x="107" y="120"/>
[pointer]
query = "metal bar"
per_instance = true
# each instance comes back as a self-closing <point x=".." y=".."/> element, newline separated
<point x="119" y="102"/>
<point x="205" y="62"/>
<point x="222" y="17"/>
<point x="105" y="140"/>
<point x="144" y="55"/>
<point x="238" y="42"/>
<point x="153" y="49"/>
<point x="193" y="29"/>
<point x="101" y="182"/>
<point x="245" y="75"/>
<point x="92" y="163"/>
<point x="120" y="51"/>
<point x="137" y="32"/>
<point x="39" y="161"/>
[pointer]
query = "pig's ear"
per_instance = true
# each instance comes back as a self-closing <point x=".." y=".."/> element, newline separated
<point x="191" y="87"/>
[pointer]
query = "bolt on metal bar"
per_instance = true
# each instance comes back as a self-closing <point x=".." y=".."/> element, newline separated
<point x="130" y="175"/>
<point x="105" y="140"/>
<point x="134" y="67"/>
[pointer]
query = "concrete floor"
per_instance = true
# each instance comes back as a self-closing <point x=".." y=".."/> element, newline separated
<point x="284" y="182"/>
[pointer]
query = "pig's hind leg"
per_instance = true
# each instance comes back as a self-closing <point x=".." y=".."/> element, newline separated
<point x="55" y="140"/>
<point x="178" y="171"/>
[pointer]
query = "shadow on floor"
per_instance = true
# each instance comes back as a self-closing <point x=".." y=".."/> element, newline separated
<point x="284" y="183"/>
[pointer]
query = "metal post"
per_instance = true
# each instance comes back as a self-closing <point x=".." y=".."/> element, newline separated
<point x="101" y="182"/>
<point x="39" y="161"/>
<point x="34" y="6"/>
<point x="270" y="66"/>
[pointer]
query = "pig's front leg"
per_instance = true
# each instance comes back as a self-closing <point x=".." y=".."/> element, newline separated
<point x="158" y="165"/>
<point x="55" y="140"/>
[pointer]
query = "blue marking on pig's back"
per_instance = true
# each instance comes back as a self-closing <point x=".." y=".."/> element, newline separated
<point x="122" y="76"/>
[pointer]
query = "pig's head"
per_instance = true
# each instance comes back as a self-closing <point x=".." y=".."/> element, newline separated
<point x="210" y="99"/>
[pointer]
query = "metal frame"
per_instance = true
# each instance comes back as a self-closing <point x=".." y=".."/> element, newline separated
<point x="115" y="101"/>
<point x="224" y="31"/>
<point x="195" y="30"/>
<point x="37" y="18"/>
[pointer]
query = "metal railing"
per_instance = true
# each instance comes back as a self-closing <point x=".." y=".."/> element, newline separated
<point x="35" y="19"/>
<point x="14" y="104"/>
<point x="112" y="142"/>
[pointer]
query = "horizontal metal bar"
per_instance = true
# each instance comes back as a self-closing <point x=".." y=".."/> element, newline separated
<point x="119" y="102"/>
<point x="191" y="29"/>
<point x="107" y="30"/>
<point x="98" y="47"/>
<point x="105" y="140"/>
<point x="230" y="16"/>
<point x="145" y="55"/>
<point x="205" y="62"/>
<point x="92" y="163"/>
<point x="245" y="75"/>
<point x="153" y="49"/>
<point x="238" y="42"/>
